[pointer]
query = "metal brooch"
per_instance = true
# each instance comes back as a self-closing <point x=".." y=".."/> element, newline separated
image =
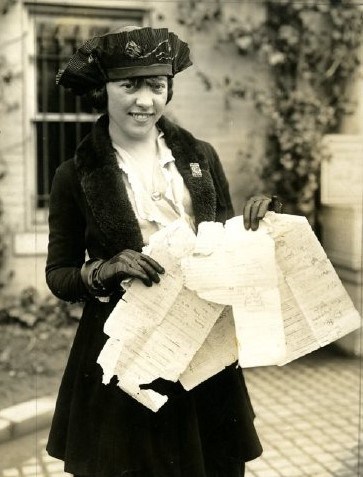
<point x="195" y="168"/>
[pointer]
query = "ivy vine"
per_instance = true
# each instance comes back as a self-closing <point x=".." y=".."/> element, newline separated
<point x="312" y="49"/>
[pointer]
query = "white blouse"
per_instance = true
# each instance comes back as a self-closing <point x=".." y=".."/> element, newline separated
<point x="158" y="197"/>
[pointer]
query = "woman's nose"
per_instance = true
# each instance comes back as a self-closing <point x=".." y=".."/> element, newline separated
<point x="144" y="97"/>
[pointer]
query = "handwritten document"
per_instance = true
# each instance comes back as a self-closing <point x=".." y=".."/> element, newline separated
<point x="290" y="300"/>
<point x="262" y="298"/>
<point x="218" y="351"/>
<point x="317" y="310"/>
<point x="155" y="332"/>
<point x="299" y="336"/>
<point x="241" y="271"/>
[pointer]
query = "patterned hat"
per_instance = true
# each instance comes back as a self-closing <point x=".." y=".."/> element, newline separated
<point x="129" y="52"/>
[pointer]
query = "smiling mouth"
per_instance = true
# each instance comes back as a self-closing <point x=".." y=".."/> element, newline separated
<point x="141" y="117"/>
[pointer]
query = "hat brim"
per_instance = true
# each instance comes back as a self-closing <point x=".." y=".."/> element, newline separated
<point x="115" y="74"/>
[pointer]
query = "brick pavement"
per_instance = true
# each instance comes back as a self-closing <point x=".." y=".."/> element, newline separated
<point x="308" y="417"/>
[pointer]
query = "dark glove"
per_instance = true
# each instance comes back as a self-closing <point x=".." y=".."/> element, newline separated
<point x="256" y="208"/>
<point x="104" y="276"/>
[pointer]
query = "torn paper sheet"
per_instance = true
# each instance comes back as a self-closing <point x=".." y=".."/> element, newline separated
<point x="260" y="330"/>
<point x="178" y="238"/>
<point x="170" y="347"/>
<point x="242" y="261"/>
<point x="284" y="305"/>
<point x="218" y="351"/>
<point x="155" y="332"/>
<point x="241" y="271"/>
<point x="312" y="285"/>
<point x="314" y="309"/>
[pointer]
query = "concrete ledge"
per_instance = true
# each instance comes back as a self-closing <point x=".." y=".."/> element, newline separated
<point x="5" y="430"/>
<point x="26" y="417"/>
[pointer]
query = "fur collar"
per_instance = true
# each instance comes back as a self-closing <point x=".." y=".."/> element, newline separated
<point x="105" y="191"/>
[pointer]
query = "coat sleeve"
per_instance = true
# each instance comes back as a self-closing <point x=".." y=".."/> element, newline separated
<point x="66" y="247"/>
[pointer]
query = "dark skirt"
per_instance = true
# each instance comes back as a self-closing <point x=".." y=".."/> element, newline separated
<point x="99" y="430"/>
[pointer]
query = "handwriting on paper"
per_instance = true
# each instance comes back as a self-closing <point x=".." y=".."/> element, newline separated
<point x="262" y="298"/>
<point x="241" y="272"/>
<point x="155" y="332"/>
<point x="315" y="305"/>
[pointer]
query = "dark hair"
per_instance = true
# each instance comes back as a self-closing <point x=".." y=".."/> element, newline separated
<point x="98" y="96"/>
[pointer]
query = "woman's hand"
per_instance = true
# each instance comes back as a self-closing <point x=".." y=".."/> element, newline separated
<point x="129" y="264"/>
<point x="256" y="208"/>
<point x="103" y="276"/>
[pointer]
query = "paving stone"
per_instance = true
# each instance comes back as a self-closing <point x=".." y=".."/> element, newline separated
<point x="30" y="469"/>
<point x="303" y="425"/>
<point x="282" y="463"/>
<point x="301" y="440"/>
<point x="55" y="465"/>
<point x="293" y="472"/>
<point x="332" y="446"/>
<point x="313" y="470"/>
<point x="271" y="453"/>
<point x="327" y="458"/>
<point x="47" y="458"/>
<point x="302" y="459"/>
<point x="259" y="464"/>
<point x="288" y="445"/>
<point x="250" y="472"/>
<point x="269" y="473"/>
<point x="313" y="449"/>
<point x="292" y="453"/>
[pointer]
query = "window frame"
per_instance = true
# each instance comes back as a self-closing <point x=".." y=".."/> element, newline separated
<point x="34" y="9"/>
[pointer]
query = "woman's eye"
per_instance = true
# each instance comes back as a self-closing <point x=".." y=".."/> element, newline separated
<point x="159" y="87"/>
<point x="127" y="86"/>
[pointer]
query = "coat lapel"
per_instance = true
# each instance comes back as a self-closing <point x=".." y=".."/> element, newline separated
<point x="105" y="191"/>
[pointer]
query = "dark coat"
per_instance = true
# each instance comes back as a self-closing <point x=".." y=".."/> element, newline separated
<point x="99" y="429"/>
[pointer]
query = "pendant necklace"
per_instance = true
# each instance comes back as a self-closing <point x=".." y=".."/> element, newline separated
<point x="156" y="193"/>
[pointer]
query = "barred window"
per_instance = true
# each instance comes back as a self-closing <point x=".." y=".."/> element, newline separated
<point x="62" y="119"/>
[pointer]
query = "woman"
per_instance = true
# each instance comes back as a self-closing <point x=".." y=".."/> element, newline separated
<point x="133" y="174"/>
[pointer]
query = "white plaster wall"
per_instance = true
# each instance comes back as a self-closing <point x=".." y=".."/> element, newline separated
<point x="12" y="139"/>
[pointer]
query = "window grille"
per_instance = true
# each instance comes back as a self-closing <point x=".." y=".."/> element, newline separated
<point x="61" y="119"/>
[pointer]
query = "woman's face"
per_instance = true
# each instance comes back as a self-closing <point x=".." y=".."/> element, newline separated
<point x="136" y="104"/>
